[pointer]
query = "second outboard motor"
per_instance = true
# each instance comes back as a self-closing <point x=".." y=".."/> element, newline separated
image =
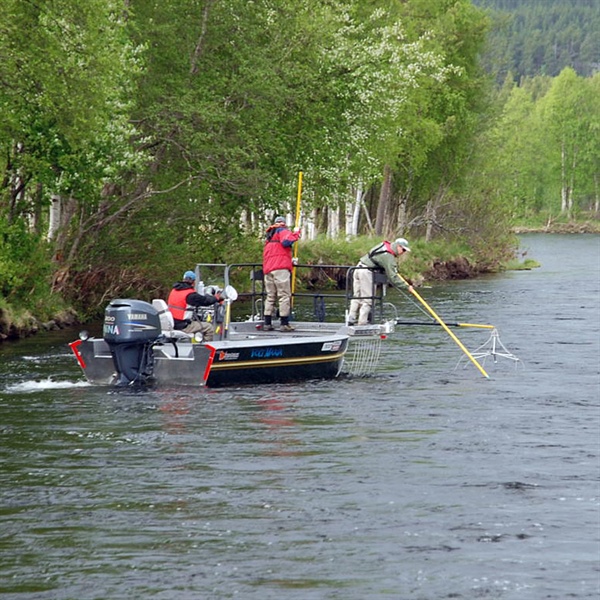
<point x="130" y="329"/>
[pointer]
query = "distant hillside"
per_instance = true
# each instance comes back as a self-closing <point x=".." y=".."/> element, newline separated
<point x="541" y="37"/>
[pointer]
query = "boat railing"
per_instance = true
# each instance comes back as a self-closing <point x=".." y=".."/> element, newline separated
<point x="325" y="284"/>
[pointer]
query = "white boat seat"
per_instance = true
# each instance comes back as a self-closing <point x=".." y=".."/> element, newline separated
<point x="167" y="324"/>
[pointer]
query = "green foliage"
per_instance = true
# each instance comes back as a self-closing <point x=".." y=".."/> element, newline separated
<point x="171" y="130"/>
<point x="25" y="269"/>
<point x="541" y="155"/>
<point x="525" y="265"/>
<point x="443" y="116"/>
<point x="71" y="69"/>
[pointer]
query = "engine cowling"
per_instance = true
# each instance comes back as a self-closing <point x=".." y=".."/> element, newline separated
<point x="130" y="321"/>
<point x="130" y="328"/>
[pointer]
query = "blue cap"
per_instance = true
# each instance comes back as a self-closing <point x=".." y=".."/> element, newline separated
<point x="279" y="220"/>
<point x="190" y="275"/>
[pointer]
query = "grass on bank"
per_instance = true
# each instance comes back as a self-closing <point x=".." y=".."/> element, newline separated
<point x="413" y="266"/>
<point x="325" y="251"/>
<point x="23" y="317"/>
<point x="549" y="222"/>
<point x="525" y="265"/>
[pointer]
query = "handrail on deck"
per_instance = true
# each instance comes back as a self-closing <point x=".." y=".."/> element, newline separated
<point x="257" y="293"/>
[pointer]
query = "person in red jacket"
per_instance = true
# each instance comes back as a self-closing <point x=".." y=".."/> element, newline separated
<point x="277" y="269"/>
<point x="182" y="301"/>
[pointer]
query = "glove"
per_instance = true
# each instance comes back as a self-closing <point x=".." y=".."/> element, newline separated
<point x="298" y="230"/>
<point x="294" y="261"/>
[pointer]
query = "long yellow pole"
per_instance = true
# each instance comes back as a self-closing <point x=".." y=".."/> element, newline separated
<point x="445" y="327"/>
<point x="479" y="325"/>
<point x="296" y="225"/>
<point x="298" y="200"/>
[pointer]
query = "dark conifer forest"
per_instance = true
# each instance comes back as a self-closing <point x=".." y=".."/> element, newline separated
<point x="541" y="37"/>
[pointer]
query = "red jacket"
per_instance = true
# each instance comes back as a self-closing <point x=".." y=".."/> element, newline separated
<point x="277" y="253"/>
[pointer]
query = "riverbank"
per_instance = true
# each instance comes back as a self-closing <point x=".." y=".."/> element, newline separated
<point x="560" y="228"/>
<point x="24" y="325"/>
<point x="15" y="324"/>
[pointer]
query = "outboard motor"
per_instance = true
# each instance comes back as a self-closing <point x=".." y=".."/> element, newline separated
<point x="130" y="328"/>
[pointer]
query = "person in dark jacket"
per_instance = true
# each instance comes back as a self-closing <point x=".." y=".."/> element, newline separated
<point x="277" y="269"/>
<point x="383" y="258"/>
<point x="182" y="301"/>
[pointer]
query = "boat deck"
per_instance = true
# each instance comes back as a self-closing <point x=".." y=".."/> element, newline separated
<point x="239" y="329"/>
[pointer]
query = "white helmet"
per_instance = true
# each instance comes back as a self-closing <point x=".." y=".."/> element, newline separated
<point x="402" y="243"/>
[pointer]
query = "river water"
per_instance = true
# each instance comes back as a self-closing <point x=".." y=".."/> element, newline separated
<point x="427" y="481"/>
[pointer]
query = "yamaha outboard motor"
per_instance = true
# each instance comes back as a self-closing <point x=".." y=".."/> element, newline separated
<point x="130" y="328"/>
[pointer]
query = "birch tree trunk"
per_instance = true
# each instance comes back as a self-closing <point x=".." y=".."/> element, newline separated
<point x="310" y="226"/>
<point x="333" y="223"/>
<point x="357" y="204"/>
<point x="430" y="214"/>
<point x="349" y="208"/>
<point x="353" y="212"/>
<point x="54" y="217"/>
<point x="572" y="184"/>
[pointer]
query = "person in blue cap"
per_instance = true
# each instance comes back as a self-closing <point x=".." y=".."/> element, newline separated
<point x="182" y="300"/>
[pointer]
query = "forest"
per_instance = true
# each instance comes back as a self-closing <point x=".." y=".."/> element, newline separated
<point x="139" y="137"/>
<point x="542" y="37"/>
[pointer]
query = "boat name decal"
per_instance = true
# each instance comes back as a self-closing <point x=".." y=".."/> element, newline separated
<point x="228" y="355"/>
<point x="266" y="352"/>
<point x="331" y="346"/>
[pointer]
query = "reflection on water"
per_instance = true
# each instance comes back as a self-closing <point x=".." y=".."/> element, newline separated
<point x="427" y="481"/>
<point x="281" y="436"/>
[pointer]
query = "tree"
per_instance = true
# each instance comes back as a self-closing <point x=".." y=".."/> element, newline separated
<point x="444" y="115"/>
<point x="241" y="111"/>
<point x="590" y="148"/>
<point x="566" y="116"/>
<point x="66" y="73"/>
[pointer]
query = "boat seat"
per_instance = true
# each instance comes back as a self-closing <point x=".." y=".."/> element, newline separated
<point x="167" y="325"/>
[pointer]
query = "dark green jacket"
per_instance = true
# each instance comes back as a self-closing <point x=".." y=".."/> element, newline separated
<point x="383" y="258"/>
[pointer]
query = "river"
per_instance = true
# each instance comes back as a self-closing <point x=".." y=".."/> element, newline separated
<point x="427" y="481"/>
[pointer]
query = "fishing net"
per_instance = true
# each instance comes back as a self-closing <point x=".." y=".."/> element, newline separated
<point x="492" y="348"/>
<point x="363" y="355"/>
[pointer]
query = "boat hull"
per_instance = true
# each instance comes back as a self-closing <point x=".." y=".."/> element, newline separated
<point x="255" y="359"/>
<point x="276" y="360"/>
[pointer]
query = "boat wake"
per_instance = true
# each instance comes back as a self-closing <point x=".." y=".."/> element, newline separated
<point x="45" y="384"/>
